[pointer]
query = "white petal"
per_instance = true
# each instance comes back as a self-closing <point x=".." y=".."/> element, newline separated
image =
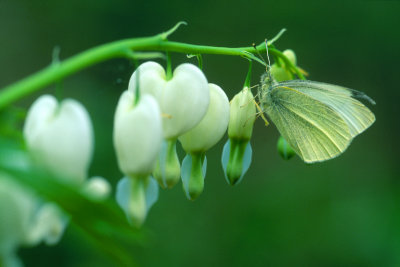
<point x="49" y="225"/>
<point x="137" y="133"/>
<point x="184" y="100"/>
<point x="60" y="138"/>
<point x="152" y="79"/>
<point x="212" y="127"/>
<point x="17" y="209"/>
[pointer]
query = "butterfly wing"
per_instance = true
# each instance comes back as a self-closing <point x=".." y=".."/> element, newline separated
<point x="312" y="128"/>
<point x="357" y="116"/>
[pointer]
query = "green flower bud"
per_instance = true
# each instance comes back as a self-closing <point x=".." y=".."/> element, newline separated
<point x="289" y="53"/>
<point x="236" y="156"/>
<point x="284" y="149"/>
<point x="242" y="115"/>
<point x="280" y="73"/>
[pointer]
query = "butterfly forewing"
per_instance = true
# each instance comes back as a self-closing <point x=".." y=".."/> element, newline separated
<point x="357" y="116"/>
<point x="313" y="128"/>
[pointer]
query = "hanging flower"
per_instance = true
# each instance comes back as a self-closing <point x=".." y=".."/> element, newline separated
<point x="17" y="212"/>
<point x="183" y="101"/>
<point x="137" y="141"/>
<point x="242" y="115"/>
<point x="201" y="138"/>
<point x="213" y="125"/>
<point x="236" y="155"/>
<point x="60" y="137"/>
<point x="137" y="133"/>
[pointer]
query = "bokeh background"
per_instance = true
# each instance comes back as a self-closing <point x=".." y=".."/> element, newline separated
<point x="344" y="212"/>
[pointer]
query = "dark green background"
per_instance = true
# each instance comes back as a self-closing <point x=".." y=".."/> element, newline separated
<point x="344" y="212"/>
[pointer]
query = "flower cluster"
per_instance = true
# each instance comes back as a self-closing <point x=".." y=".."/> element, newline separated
<point x="152" y="115"/>
<point x="59" y="137"/>
<point x="158" y="110"/>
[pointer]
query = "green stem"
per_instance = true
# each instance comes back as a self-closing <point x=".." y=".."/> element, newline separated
<point x="169" y="66"/>
<point x="248" y="77"/>
<point x="118" y="49"/>
<point x="200" y="60"/>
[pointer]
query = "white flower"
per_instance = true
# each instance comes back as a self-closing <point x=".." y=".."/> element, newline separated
<point x="137" y="134"/>
<point x="242" y="115"/>
<point x="60" y="137"/>
<point x="212" y="127"/>
<point x="17" y="211"/>
<point x="49" y="225"/>
<point x="183" y="99"/>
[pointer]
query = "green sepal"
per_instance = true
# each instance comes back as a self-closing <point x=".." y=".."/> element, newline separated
<point x="168" y="170"/>
<point x="194" y="168"/>
<point x="236" y="159"/>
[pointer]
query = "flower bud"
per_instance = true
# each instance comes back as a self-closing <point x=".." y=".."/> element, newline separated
<point x="289" y="53"/>
<point x="183" y="99"/>
<point x="183" y="102"/>
<point x="60" y="137"/>
<point x="97" y="188"/>
<point x="213" y="125"/>
<point x="242" y="115"/>
<point x="200" y="139"/>
<point x="236" y="155"/>
<point x="137" y="134"/>
<point x="280" y="73"/>
<point x="284" y="149"/>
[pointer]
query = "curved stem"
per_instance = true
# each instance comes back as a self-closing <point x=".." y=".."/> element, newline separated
<point x="118" y="49"/>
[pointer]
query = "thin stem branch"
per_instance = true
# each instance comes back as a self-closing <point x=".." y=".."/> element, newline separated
<point x="119" y="49"/>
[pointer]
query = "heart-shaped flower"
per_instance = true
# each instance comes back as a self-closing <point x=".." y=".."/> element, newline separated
<point x="60" y="137"/>
<point x="183" y="99"/>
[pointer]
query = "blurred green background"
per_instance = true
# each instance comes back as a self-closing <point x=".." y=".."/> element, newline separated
<point x="344" y="212"/>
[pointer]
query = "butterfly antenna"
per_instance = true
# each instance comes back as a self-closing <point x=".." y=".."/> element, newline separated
<point x="269" y="62"/>
<point x="259" y="54"/>
<point x="266" y="48"/>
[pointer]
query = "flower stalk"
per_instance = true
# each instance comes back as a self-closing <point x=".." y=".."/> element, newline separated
<point x="126" y="48"/>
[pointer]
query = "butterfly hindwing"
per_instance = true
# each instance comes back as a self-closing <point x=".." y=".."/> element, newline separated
<point x="312" y="128"/>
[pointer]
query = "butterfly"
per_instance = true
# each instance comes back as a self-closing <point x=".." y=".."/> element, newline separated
<point x="318" y="120"/>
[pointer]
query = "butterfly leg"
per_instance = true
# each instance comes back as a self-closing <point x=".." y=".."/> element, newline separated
<point x="261" y="113"/>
